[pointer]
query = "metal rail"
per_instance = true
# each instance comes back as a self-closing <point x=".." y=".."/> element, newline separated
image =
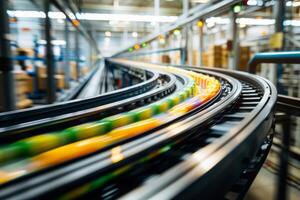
<point x="286" y="104"/>
<point x="211" y="144"/>
<point x="99" y="163"/>
<point x="47" y="124"/>
<point x="22" y="116"/>
<point x="196" y="13"/>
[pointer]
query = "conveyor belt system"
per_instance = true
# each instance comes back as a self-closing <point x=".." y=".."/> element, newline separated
<point x="183" y="132"/>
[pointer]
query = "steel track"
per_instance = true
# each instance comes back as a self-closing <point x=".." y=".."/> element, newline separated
<point x="210" y="147"/>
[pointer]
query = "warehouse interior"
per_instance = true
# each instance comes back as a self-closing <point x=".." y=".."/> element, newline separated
<point x="150" y="99"/>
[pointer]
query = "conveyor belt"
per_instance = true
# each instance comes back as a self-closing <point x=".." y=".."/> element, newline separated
<point x="180" y="158"/>
<point x="109" y="103"/>
<point x="23" y="116"/>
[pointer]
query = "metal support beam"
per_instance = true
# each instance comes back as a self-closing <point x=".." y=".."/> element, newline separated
<point x="190" y="42"/>
<point x="66" y="57"/>
<point x="185" y="7"/>
<point x="201" y="45"/>
<point x="157" y="13"/>
<point x="284" y="156"/>
<point x="6" y="76"/>
<point x="77" y="54"/>
<point x="279" y="15"/>
<point x="51" y="86"/>
<point x="234" y="56"/>
<point x="201" y="11"/>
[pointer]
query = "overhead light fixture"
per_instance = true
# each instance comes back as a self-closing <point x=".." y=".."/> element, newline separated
<point x="217" y="20"/>
<point x="53" y="42"/>
<point x="293" y="3"/>
<point x="136" y="47"/>
<point x="144" y="44"/>
<point x="134" y="34"/>
<point x="200" y="1"/>
<point x="257" y="22"/>
<point x="237" y="8"/>
<point x="60" y="21"/>
<point x="200" y="23"/>
<point x="107" y="34"/>
<point x="94" y="16"/>
<point x="176" y="32"/>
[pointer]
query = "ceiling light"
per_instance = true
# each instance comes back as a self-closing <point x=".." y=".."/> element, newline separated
<point x="237" y="8"/>
<point x="200" y="23"/>
<point x="53" y="42"/>
<point x="94" y="16"/>
<point x="200" y="1"/>
<point x="144" y="44"/>
<point x="257" y="22"/>
<point x="176" y="32"/>
<point x="134" y="34"/>
<point x="60" y="21"/>
<point x="107" y="34"/>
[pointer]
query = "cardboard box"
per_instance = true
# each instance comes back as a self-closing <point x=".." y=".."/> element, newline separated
<point x="84" y="70"/>
<point x="25" y="103"/>
<point x="165" y="59"/>
<point x="73" y="70"/>
<point x="23" y="83"/>
<point x="42" y="82"/>
<point x="25" y="52"/>
<point x="41" y="71"/>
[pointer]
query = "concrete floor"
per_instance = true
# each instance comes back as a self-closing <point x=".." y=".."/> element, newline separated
<point x="264" y="188"/>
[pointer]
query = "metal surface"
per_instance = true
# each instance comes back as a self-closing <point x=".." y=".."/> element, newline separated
<point x="286" y="104"/>
<point x="287" y="57"/>
<point x="214" y="170"/>
<point x="66" y="56"/>
<point x="51" y="84"/>
<point x="90" y="167"/>
<point x="36" y="120"/>
<point x="77" y="54"/>
<point x="208" y="148"/>
<point x="7" y="88"/>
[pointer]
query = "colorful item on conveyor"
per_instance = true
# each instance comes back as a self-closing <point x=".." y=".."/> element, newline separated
<point x="92" y="135"/>
<point x="101" y="181"/>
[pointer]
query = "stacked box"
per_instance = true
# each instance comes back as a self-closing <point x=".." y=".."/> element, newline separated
<point x="24" y="52"/>
<point x="215" y="56"/>
<point x="165" y="59"/>
<point x="225" y="55"/>
<point x="205" y="59"/>
<point x="73" y="70"/>
<point x="41" y="70"/>
<point x="245" y="56"/>
<point x="84" y="70"/>
<point x="195" y="57"/>
<point x="177" y="57"/>
<point x="42" y="82"/>
<point x="23" y="85"/>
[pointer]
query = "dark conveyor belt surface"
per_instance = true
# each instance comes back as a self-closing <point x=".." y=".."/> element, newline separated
<point x="23" y="116"/>
<point x="113" y="102"/>
<point x="207" y="131"/>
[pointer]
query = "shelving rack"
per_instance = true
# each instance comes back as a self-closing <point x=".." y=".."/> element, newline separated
<point x="7" y="96"/>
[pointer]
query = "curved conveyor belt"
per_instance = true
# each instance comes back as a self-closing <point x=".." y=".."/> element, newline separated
<point x="194" y="133"/>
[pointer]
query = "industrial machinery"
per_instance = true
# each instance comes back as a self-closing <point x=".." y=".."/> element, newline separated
<point x="173" y="132"/>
